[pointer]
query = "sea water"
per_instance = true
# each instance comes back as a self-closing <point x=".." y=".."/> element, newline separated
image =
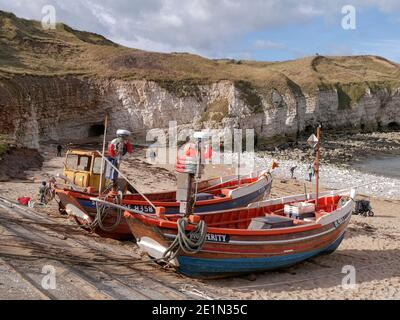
<point x="388" y="166"/>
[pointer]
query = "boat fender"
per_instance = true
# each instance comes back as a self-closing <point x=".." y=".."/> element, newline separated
<point x="113" y="148"/>
<point x="154" y="249"/>
<point x="193" y="219"/>
<point x="78" y="213"/>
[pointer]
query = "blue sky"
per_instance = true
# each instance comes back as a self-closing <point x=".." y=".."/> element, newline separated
<point x="376" y="33"/>
<point x="267" y="30"/>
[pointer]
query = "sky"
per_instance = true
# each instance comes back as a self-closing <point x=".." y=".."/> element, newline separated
<point x="267" y="30"/>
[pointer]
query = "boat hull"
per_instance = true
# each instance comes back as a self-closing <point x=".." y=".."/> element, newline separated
<point x="240" y="197"/>
<point x="173" y="207"/>
<point x="213" y="268"/>
<point x="230" y="251"/>
<point x="85" y="217"/>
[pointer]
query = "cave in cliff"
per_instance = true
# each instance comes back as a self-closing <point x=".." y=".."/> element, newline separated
<point x="394" y="126"/>
<point x="96" y="130"/>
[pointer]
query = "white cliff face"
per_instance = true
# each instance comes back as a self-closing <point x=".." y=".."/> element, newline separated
<point x="36" y="109"/>
<point x="142" y="105"/>
<point x="293" y="115"/>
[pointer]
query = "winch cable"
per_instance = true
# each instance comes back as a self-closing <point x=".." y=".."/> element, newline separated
<point x="190" y="243"/>
<point x="102" y="211"/>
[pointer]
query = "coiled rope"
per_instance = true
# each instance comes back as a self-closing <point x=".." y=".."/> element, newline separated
<point x="190" y="243"/>
<point x="103" y="210"/>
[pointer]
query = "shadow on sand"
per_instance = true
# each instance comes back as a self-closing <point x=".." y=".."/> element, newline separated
<point x="324" y="271"/>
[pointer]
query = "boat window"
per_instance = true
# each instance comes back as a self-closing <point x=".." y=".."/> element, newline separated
<point x="72" y="162"/>
<point x="97" y="165"/>
<point x="84" y="163"/>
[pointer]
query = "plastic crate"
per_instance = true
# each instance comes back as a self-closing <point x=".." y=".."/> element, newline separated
<point x="300" y="210"/>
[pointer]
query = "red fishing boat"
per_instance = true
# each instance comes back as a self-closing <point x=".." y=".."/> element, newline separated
<point x="214" y="194"/>
<point x="266" y="235"/>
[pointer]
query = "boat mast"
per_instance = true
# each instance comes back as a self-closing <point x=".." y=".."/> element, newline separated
<point x="186" y="193"/>
<point x="103" y="154"/>
<point x="239" y="151"/>
<point x="317" y="164"/>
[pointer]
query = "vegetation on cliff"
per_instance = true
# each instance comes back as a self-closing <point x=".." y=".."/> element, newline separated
<point x="249" y="95"/>
<point x="4" y="144"/>
<point x="27" y="49"/>
<point x="216" y="111"/>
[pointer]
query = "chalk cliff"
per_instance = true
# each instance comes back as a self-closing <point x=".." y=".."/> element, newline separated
<point x="58" y="85"/>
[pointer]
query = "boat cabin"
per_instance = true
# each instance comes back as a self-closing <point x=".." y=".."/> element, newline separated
<point x="83" y="168"/>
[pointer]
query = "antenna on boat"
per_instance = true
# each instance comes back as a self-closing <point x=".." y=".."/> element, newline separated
<point x="317" y="163"/>
<point x="103" y="154"/>
<point x="239" y="151"/>
<point x="315" y="143"/>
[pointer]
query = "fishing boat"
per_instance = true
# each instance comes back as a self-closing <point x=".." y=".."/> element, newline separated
<point x="266" y="235"/>
<point x="215" y="194"/>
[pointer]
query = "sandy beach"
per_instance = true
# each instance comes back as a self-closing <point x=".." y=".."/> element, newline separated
<point x="303" y="95"/>
<point x="371" y="246"/>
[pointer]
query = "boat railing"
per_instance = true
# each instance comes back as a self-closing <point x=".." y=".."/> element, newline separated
<point x="301" y="197"/>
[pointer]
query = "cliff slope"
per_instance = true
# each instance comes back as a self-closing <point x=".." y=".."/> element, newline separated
<point x="58" y="84"/>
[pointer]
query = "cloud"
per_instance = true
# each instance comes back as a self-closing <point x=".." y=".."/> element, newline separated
<point x="268" y="45"/>
<point x="104" y="17"/>
<point x="208" y="27"/>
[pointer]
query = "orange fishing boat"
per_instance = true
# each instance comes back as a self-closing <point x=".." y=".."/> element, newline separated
<point x="267" y="235"/>
<point x="214" y="194"/>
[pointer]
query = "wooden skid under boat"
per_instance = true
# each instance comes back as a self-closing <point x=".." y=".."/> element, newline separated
<point x="232" y="248"/>
<point x="216" y="194"/>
